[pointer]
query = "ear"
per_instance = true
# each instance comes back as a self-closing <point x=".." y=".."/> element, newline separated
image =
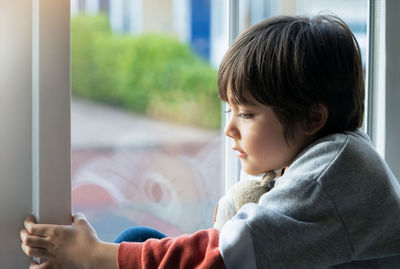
<point x="317" y="117"/>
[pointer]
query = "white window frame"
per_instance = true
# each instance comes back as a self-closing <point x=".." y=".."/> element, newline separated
<point x="392" y="89"/>
<point x="35" y="168"/>
<point x="383" y="81"/>
<point x="232" y="163"/>
<point x="51" y="132"/>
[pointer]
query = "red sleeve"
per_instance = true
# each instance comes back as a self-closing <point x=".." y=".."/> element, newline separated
<point x="198" y="250"/>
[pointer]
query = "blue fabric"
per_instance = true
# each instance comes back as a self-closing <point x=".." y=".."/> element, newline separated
<point x="138" y="234"/>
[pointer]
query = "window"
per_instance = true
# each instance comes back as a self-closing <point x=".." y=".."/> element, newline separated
<point x="146" y="142"/>
<point x="21" y="62"/>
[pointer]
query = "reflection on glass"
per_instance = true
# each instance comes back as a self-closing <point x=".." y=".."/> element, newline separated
<point x="146" y="142"/>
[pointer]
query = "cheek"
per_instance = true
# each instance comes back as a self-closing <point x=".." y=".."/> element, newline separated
<point x="261" y="143"/>
<point x="269" y="146"/>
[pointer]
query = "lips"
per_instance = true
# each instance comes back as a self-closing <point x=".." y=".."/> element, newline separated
<point x="240" y="153"/>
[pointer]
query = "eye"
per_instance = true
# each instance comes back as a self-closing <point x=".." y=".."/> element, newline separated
<point x="228" y="110"/>
<point x="245" y="115"/>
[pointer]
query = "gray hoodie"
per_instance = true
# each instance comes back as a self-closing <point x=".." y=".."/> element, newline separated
<point x="337" y="205"/>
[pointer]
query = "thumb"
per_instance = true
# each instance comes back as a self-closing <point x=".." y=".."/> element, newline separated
<point x="80" y="221"/>
<point x="79" y="218"/>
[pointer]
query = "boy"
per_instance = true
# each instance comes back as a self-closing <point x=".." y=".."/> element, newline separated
<point x="296" y="93"/>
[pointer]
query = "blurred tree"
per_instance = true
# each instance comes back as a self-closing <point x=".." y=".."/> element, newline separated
<point x="152" y="74"/>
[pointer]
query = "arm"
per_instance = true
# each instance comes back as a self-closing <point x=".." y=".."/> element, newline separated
<point x="75" y="246"/>
<point x="198" y="250"/>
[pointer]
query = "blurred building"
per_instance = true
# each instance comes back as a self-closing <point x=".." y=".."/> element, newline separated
<point x="201" y="23"/>
<point x="204" y="23"/>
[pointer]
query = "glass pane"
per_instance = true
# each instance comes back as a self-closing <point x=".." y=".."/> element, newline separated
<point x="354" y="13"/>
<point x="146" y="140"/>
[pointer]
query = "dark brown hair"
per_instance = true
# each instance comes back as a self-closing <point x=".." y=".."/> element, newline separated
<point x="292" y="63"/>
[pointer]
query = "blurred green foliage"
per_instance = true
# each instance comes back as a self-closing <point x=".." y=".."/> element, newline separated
<point x="151" y="74"/>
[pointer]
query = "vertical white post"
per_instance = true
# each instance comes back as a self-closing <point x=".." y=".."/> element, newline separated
<point x="219" y="32"/>
<point x="383" y="82"/>
<point x="375" y="97"/>
<point x="233" y="20"/>
<point x="392" y="93"/>
<point x="181" y="19"/>
<point x="232" y="165"/>
<point x="51" y="170"/>
<point x="136" y="16"/>
<point x="15" y="128"/>
<point x="34" y="119"/>
<point x="92" y="6"/>
<point x="116" y="15"/>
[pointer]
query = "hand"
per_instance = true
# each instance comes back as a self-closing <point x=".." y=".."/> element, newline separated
<point x="67" y="246"/>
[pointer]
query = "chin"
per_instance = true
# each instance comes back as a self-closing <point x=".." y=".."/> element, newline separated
<point x="252" y="172"/>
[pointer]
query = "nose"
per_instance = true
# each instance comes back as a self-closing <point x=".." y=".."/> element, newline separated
<point x="231" y="129"/>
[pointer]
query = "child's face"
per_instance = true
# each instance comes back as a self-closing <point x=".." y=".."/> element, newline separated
<point x="259" y="138"/>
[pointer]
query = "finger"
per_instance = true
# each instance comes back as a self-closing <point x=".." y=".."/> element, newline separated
<point x="30" y="218"/>
<point x="29" y="221"/>
<point x="34" y="252"/>
<point x="34" y="241"/>
<point x="23" y="233"/>
<point x="38" y="229"/>
<point x="78" y="216"/>
<point x="80" y="222"/>
<point x="80" y="219"/>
